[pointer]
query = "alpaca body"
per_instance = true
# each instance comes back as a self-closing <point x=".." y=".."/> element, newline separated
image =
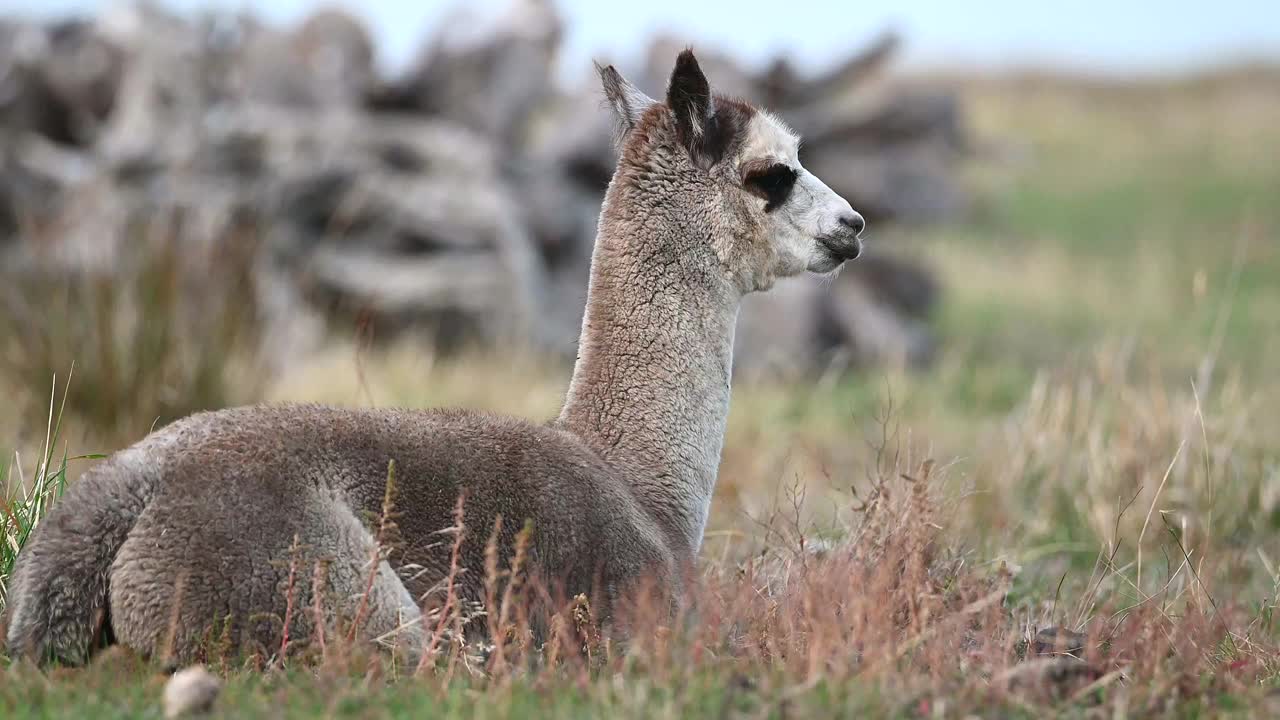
<point x="194" y="527"/>
<point x="219" y="498"/>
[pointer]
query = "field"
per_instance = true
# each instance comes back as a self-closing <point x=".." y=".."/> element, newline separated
<point x="1097" y="450"/>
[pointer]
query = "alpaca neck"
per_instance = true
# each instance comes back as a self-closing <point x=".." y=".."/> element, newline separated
<point x="650" y="390"/>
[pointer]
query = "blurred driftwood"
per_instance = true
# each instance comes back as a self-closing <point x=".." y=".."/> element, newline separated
<point x="459" y="198"/>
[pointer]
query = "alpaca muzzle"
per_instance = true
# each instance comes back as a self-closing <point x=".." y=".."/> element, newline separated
<point x="842" y="246"/>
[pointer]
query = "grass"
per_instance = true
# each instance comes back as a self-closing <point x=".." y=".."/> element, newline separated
<point x="1105" y="417"/>
<point x="23" y="502"/>
<point x="157" y="338"/>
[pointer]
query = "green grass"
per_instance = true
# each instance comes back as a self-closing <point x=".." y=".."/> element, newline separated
<point x="302" y="695"/>
<point x="23" y="505"/>
<point x="1106" y="418"/>
<point x="163" y="335"/>
<point x="24" y="502"/>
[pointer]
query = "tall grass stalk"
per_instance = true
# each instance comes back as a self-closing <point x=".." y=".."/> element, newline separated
<point x="24" y="504"/>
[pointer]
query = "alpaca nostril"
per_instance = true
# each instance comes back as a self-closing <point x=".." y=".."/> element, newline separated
<point x="854" y="222"/>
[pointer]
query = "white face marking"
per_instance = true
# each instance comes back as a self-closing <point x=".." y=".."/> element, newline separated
<point x="812" y="210"/>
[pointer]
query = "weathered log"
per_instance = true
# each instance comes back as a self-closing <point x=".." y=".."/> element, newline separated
<point x="485" y="72"/>
<point x="462" y="195"/>
<point x="782" y="87"/>
<point x="58" y="81"/>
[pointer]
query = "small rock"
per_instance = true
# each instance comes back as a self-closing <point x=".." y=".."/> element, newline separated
<point x="1058" y="641"/>
<point x="190" y="692"/>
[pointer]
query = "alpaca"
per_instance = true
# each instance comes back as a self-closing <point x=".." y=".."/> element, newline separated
<point x="197" y="523"/>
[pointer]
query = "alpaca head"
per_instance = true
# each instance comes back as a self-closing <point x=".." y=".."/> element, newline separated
<point x="731" y="174"/>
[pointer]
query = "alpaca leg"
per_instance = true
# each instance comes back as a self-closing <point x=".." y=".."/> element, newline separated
<point x="199" y="576"/>
<point x="368" y="593"/>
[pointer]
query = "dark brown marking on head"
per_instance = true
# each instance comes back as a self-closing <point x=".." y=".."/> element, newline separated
<point x="689" y="97"/>
<point x="728" y="127"/>
<point x="658" y="124"/>
<point x="706" y="125"/>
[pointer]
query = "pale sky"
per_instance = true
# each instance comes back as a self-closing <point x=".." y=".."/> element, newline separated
<point x="1096" y="35"/>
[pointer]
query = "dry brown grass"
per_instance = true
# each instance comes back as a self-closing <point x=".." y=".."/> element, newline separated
<point x="889" y="616"/>
<point x="162" y="335"/>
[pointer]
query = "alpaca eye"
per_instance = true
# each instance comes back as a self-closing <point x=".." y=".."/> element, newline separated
<point x="774" y="184"/>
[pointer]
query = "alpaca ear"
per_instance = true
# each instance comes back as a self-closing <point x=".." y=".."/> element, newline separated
<point x="625" y="99"/>
<point x="689" y="97"/>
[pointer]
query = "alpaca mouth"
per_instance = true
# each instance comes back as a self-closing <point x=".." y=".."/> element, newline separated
<point x="828" y="259"/>
<point x="841" y="248"/>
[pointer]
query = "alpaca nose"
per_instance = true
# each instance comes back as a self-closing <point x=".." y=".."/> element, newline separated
<point x="854" y="222"/>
